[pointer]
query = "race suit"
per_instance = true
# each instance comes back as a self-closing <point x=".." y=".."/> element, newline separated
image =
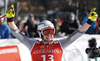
<point x="46" y="52"/>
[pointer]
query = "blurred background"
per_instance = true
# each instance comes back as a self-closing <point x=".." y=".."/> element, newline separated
<point x="43" y="7"/>
<point x="50" y="9"/>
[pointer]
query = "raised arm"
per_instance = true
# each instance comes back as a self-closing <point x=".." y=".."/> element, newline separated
<point x="10" y="15"/>
<point x="80" y="31"/>
<point x="84" y="27"/>
<point x="15" y="31"/>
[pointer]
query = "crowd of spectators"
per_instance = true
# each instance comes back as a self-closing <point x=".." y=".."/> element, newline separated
<point x="64" y="25"/>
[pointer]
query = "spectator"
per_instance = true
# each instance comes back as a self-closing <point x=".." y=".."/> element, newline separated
<point x="59" y="21"/>
<point x="19" y="25"/>
<point x="24" y="29"/>
<point x="69" y="25"/>
<point x="5" y="32"/>
<point x="93" y="28"/>
<point x="32" y="26"/>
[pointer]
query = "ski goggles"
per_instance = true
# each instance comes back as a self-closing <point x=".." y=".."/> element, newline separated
<point x="46" y="32"/>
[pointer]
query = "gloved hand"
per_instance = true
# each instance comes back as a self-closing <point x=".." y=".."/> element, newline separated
<point x="10" y="14"/>
<point x="92" y="16"/>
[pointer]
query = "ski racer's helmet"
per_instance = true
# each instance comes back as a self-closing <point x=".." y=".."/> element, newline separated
<point x="45" y="25"/>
